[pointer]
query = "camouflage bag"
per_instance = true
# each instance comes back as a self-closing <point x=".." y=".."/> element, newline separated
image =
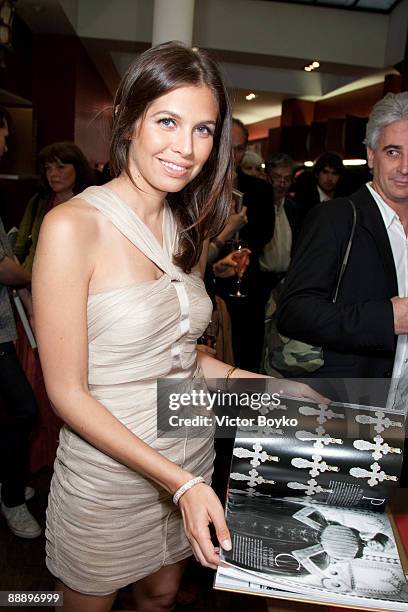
<point x="287" y="356"/>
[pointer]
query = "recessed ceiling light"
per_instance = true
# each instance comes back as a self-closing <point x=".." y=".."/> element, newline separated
<point x="354" y="162"/>
<point x="315" y="64"/>
<point x="250" y="96"/>
<point x="308" y="68"/>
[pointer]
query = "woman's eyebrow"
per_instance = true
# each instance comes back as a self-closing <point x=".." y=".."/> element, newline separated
<point x="167" y="112"/>
<point x="173" y="114"/>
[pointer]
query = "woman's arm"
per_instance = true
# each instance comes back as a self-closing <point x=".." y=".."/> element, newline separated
<point x="65" y="260"/>
<point x="214" y="369"/>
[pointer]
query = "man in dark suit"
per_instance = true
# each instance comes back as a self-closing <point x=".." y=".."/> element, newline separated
<point x="258" y="197"/>
<point x="247" y="314"/>
<point x="363" y="334"/>
<point x="321" y="184"/>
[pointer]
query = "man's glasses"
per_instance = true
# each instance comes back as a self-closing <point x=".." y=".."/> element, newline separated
<point x="278" y="178"/>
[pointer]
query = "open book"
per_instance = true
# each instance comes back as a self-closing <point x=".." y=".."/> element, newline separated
<point x="305" y="508"/>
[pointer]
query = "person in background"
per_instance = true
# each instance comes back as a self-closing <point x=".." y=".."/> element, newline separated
<point x="18" y="401"/>
<point x="64" y="172"/>
<point x="275" y="259"/>
<point x="320" y="185"/>
<point x="235" y="222"/>
<point x="328" y="169"/>
<point x="247" y="314"/>
<point x="258" y="195"/>
<point x="364" y="332"/>
<point x="252" y="164"/>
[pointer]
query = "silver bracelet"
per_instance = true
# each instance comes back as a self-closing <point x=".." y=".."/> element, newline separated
<point x="186" y="487"/>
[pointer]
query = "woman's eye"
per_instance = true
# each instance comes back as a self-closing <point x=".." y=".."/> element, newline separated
<point x="204" y="130"/>
<point x="167" y="122"/>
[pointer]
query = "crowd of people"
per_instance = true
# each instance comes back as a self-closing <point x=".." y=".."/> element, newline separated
<point x="129" y="271"/>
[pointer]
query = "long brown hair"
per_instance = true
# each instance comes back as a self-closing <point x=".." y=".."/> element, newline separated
<point x="201" y="207"/>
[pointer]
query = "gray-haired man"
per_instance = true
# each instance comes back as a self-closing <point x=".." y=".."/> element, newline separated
<point x="363" y="334"/>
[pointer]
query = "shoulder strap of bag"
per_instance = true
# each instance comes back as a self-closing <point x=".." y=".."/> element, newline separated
<point x="347" y="253"/>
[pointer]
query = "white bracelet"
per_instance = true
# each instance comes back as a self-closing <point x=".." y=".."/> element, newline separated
<point x="186" y="487"/>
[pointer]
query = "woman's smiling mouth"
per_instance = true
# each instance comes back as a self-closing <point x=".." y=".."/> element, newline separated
<point x="174" y="168"/>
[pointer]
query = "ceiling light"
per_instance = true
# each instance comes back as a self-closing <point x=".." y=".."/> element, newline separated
<point x="308" y="68"/>
<point x="354" y="162"/>
<point x="315" y="64"/>
<point x="308" y="164"/>
<point x="250" y="96"/>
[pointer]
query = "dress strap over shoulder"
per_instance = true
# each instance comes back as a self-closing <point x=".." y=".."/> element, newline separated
<point x="134" y="229"/>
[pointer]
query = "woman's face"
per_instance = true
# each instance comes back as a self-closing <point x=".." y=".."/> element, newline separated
<point x="60" y="176"/>
<point x="171" y="143"/>
<point x="251" y="169"/>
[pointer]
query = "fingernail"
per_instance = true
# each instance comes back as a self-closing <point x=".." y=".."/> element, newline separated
<point x="226" y="544"/>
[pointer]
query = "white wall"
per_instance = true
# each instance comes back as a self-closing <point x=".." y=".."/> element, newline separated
<point x="119" y="19"/>
<point x="275" y="28"/>
<point x="255" y="26"/>
<point x="397" y="34"/>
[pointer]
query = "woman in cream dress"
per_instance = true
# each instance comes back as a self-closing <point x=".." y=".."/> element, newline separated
<point x="119" y="302"/>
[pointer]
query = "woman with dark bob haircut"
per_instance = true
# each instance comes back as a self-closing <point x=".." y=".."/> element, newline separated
<point x="64" y="172"/>
<point x="119" y="304"/>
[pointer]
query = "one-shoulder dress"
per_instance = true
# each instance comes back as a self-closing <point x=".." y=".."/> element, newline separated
<point x="107" y="525"/>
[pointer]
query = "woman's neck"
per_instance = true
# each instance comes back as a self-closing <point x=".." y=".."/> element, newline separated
<point x="63" y="196"/>
<point x="147" y="204"/>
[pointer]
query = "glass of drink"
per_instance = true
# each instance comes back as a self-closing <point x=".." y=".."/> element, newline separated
<point x="238" y="248"/>
<point x="209" y="337"/>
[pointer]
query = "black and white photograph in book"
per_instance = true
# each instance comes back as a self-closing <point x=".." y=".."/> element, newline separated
<point x="338" y="454"/>
<point x="312" y="549"/>
<point x="306" y="507"/>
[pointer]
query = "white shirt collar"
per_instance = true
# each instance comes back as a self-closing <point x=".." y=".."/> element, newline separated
<point x="323" y="196"/>
<point x="388" y="214"/>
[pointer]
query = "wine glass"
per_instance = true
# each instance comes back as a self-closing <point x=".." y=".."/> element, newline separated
<point x="240" y="255"/>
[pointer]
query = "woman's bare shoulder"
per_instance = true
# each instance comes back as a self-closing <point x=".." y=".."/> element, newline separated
<point x="76" y="216"/>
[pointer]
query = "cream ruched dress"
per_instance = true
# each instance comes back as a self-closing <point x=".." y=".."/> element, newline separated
<point x="108" y="526"/>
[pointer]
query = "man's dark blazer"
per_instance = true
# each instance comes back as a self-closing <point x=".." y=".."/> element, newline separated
<point x="248" y="314"/>
<point x="356" y="332"/>
<point x="258" y="198"/>
<point x="292" y="214"/>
